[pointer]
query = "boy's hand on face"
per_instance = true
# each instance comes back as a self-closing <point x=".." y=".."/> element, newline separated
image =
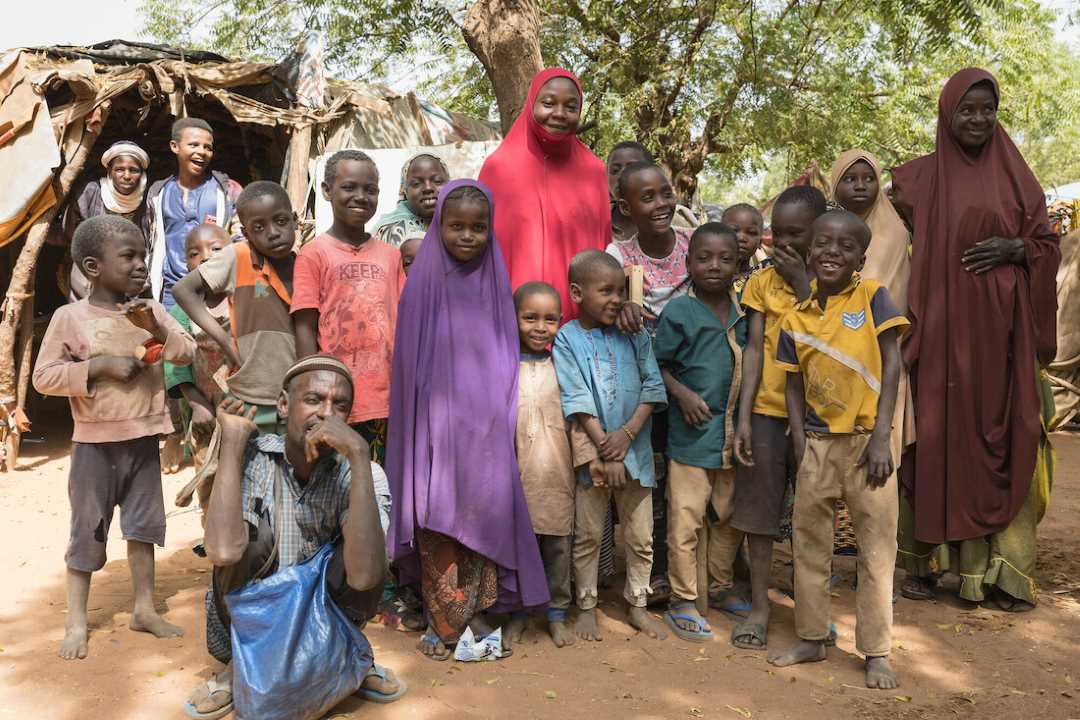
<point x="790" y="265"/>
<point x="878" y="458"/>
<point x="596" y="472"/>
<point x="334" y="433"/>
<point x="615" y="445"/>
<point x="744" y="453"/>
<point x="237" y="421"/>
<point x="140" y="313"/>
<point x="615" y="475"/>
<point x="115" y="367"/>
<point x="695" y="411"/>
<point x="630" y="318"/>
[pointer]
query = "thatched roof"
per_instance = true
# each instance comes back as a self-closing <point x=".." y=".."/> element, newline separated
<point x="251" y="106"/>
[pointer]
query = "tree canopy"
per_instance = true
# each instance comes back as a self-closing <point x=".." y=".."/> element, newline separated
<point x="720" y="90"/>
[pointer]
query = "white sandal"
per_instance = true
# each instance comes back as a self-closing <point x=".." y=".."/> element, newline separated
<point x="218" y="683"/>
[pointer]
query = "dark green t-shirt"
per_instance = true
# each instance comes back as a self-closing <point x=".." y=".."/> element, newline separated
<point x="705" y="355"/>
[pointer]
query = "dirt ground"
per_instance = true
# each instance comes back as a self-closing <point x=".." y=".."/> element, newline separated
<point x="955" y="660"/>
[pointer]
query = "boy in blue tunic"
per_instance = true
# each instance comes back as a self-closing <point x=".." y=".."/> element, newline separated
<point x="609" y="382"/>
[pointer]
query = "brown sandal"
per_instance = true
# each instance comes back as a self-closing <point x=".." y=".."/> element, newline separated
<point x="918" y="588"/>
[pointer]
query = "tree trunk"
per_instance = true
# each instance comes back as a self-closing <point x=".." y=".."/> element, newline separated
<point x="299" y="155"/>
<point x="505" y="36"/>
<point x="22" y="275"/>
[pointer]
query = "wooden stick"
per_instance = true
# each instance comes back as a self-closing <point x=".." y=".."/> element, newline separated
<point x="22" y="276"/>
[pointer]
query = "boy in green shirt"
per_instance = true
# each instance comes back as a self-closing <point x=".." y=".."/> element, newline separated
<point x="699" y="344"/>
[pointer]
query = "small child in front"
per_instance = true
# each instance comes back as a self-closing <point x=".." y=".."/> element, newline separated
<point x="841" y="352"/>
<point x="609" y="382"/>
<point x="543" y="450"/>
<point x="118" y="405"/>
<point x="699" y="346"/>
<point x="195" y="382"/>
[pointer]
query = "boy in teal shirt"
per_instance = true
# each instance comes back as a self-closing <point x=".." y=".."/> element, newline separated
<point x="699" y="345"/>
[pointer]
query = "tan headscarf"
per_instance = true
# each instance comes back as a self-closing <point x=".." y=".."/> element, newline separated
<point x="888" y="262"/>
<point x="887" y="259"/>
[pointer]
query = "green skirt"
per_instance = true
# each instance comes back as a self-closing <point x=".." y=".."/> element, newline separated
<point x="1004" y="560"/>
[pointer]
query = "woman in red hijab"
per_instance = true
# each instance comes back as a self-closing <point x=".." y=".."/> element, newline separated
<point x="551" y="191"/>
<point x="983" y="307"/>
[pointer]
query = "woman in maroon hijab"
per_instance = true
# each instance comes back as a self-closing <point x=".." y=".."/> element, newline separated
<point x="983" y="310"/>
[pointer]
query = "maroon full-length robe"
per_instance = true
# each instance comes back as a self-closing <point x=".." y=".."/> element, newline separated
<point x="976" y="341"/>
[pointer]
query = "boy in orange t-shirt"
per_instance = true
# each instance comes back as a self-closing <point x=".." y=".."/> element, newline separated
<point x="346" y="290"/>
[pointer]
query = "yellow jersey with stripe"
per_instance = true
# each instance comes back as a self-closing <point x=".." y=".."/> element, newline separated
<point x="768" y="293"/>
<point x="837" y="352"/>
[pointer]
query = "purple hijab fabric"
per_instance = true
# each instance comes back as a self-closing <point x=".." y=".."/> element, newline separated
<point x="453" y="408"/>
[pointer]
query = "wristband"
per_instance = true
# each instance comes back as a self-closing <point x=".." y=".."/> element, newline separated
<point x="628" y="433"/>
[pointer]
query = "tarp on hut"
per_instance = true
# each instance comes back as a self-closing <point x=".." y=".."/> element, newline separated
<point x="144" y="82"/>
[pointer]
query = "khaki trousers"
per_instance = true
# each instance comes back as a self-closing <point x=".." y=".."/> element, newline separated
<point x="634" y="504"/>
<point x="828" y="472"/>
<point x="690" y="492"/>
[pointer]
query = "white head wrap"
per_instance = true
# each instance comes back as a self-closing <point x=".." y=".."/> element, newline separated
<point x="114" y="201"/>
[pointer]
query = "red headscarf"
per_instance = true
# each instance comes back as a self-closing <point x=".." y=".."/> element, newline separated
<point x="976" y="341"/>
<point x="552" y="198"/>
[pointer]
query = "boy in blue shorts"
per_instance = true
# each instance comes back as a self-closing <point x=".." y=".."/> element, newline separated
<point x="841" y="354"/>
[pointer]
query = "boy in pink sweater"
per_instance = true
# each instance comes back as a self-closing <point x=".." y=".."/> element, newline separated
<point x="118" y="405"/>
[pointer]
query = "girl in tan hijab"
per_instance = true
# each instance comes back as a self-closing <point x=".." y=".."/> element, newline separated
<point x="855" y="181"/>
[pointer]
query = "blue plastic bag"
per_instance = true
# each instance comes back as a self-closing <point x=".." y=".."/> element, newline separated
<point x="295" y="654"/>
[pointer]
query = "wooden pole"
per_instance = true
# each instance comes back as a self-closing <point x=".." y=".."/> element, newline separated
<point x="299" y="154"/>
<point x="22" y="279"/>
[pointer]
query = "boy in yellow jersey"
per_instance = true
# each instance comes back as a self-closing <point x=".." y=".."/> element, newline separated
<point x="762" y="441"/>
<point x="842" y="357"/>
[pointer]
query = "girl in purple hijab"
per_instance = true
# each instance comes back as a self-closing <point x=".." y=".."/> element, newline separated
<point x="459" y="524"/>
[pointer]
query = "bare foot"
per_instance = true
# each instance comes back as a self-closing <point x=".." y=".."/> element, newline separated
<point x="640" y="618"/>
<point x="172" y="455"/>
<point x="74" y="645"/>
<point x="880" y="675"/>
<point x="586" y="627"/>
<point x="560" y="634"/>
<point x="804" y="651"/>
<point x="514" y="631"/>
<point x="155" y="625"/>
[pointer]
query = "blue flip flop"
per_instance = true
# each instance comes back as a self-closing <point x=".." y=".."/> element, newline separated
<point x="702" y="634"/>
<point x="433" y="640"/>
<point x="378" y="697"/>
<point x="731" y="604"/>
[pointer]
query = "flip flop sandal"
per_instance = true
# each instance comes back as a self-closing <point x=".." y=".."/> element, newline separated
<point x="433" y="641"/>
<point x="831" y="640"/>
<point x="213" y="686"/>
<point x="702" y="634"/>
<point x="377" y="697"/>
<point x="757" y="631"/>
<point x="731" y="605"/>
